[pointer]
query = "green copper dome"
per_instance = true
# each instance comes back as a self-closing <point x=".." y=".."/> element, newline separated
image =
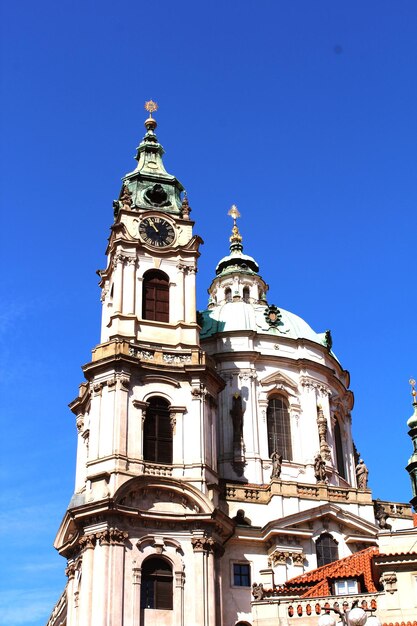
<point x="243" y="316"/>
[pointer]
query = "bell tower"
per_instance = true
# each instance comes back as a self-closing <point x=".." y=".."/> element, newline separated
<point x="148" y="287"/>
<point x="143" y="531"/>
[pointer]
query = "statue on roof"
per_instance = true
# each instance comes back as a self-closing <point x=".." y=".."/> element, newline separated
<point x="276" y="459"/>
<point x="381" y="515"/>
<point x="320" y="469"/>
<point x="362" y="475"/>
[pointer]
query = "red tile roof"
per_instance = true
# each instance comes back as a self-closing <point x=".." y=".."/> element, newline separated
<point x="318" y="582"/>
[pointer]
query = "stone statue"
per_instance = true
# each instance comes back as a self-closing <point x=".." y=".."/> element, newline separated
<point x="276" y="459"/>
<point x="240" y="519"/>
<point x="237" y="418"/>
<point x="257" y="591"/>
<point x="381" y="516"/>
<point x="320" y="469"/>
<point x="362" y="475"/>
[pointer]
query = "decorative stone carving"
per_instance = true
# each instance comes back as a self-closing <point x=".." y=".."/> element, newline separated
<point x="298" y="558"/>
<point x="168" y="357"/>
<point x="257" y="591"/>
<point x="203" y="544"/>
<point x="389" y="581"/>
<point x="70" y="570"/>
<point x="160" y="501"/>
<point x="143" y="355"/>
<point x="381" y="516"/>
<point x="273" y="316"/>
<point x="311" y="384"/>
<point x="185" y="208"/>
<point x="278" y="557"/>
<point x="249" y="374"/>
<point x="322" y="428"/>
<point x="88" y="541"/>
<point x="126" y="198"/>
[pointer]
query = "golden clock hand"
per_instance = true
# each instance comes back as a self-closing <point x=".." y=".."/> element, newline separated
<point x="153" y="224"/>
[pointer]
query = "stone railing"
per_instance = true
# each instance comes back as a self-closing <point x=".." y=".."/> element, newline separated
<point x="400" y="510"/>
<point x="242" y="492"/>
<point x="155" y="469"/>
<point x="290" y="607"/>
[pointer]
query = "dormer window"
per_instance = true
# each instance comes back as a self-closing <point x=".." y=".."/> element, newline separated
<point x="346" y="587"/>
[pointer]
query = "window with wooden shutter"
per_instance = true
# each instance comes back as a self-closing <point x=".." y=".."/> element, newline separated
<point x="155" y="305"/>
<point x="156" y="584"/>
<point x="157" y="432"/>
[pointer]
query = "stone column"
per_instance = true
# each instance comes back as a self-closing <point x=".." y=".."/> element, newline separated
<point x="70" y="572"/>
<point x="138" y="297"/>
<point x="117" y="576"/>
<point x="129" y="286"/>
<point x="135" y="429"/>
<point x="87" y="542"/>
<point x="180" y="295"/>
<point x="178" y="607"/>
<point x="95" y="418"/>
<point x="120" y="415"/>
<point x="101" y="580"/>
<point x="136" y="593"/>
<point x="118" y="283"/>
<point x="176" y="414"/>
<point x="205" y="600"/>
<point x="190" y="296"/>
<point x="80" y="471"/>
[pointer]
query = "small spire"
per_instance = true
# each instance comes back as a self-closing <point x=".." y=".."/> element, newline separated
<point x="236" y="237"/>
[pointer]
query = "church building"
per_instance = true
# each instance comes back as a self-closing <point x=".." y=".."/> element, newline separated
<point x="215" y="459"/>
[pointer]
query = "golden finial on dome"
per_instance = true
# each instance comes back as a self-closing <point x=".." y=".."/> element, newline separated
<point x="413" y="389"/>
<point x="151" y="107"/>
<point x="236" y="236"/>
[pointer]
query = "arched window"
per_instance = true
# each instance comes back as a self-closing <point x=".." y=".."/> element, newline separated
<point x="155" y="302"/>
<point x="339" y="450"/>
<point x="228" y="294"/>
<point x="246" y="294"/>
<point x="157" y="432"/>
<point x="156" y="584"/>
<point x="279" y="428"/>
<point x="326" y="549"/>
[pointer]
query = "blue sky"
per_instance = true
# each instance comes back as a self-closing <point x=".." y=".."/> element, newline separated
<point x="302" y="113"/>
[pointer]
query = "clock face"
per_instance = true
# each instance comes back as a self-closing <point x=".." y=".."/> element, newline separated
<point x="156" y="231"/>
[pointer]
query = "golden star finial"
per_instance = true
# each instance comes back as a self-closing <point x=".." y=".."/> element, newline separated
<point x="234" y="213"/>
<point x="413" y="388"/>
<point x="151" y="107"/>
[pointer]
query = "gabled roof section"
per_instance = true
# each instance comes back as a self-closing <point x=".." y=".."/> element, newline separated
<point x="318" y="582"/>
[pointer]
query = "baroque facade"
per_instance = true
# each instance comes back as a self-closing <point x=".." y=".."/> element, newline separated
<point x="215" y="456"/>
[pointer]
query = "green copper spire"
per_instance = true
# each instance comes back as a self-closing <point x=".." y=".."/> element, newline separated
<point x="412" y="462"/>
<point x="150" y="186"/>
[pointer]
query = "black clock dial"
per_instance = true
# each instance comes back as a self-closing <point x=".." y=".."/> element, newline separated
<point x="156" y="232"/>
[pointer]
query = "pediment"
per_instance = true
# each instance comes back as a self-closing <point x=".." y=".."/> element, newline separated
<point x="304" y="522"/>
<point x="278" y="379"/>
